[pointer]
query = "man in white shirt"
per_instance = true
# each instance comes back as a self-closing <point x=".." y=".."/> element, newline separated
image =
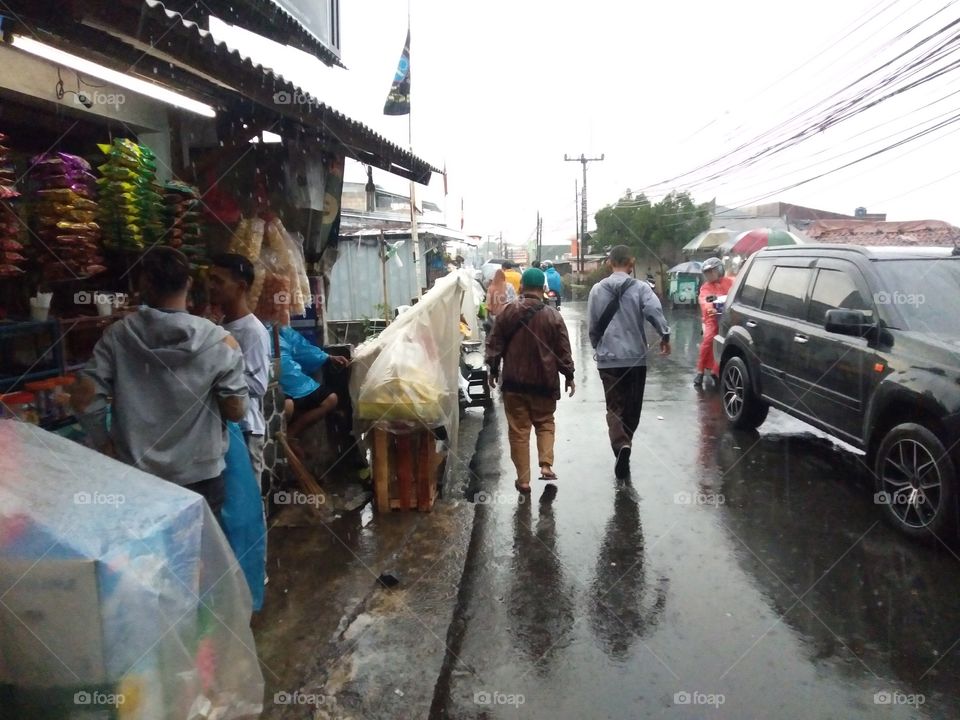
<point x="230" y="278"/>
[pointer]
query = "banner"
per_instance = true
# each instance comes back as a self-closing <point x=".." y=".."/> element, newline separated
<point x="398" y="99"/>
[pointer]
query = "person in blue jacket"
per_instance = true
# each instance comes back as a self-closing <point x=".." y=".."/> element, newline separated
<point x="299" y="360"/>
<point x="554" y="281"/>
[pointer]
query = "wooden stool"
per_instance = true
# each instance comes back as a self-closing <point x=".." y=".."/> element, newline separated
<point x="405" y="470"/>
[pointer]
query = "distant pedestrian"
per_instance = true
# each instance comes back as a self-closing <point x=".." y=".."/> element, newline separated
<point x="530" y="340"/>
<point x="716" y="285"/>
<point x="513" y="275"/>
<point x="616" y="308"/>
<point x="499" y="293"/>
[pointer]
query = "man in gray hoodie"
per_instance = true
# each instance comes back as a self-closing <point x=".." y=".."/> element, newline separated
<point x="616" y="308"/>
<point x="173" y="379"/>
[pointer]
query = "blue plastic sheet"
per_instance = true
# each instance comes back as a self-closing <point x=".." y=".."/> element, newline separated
<point x="242" y="514"/>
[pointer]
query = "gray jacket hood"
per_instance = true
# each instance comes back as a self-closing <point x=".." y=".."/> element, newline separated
<point x="156" y="337"/>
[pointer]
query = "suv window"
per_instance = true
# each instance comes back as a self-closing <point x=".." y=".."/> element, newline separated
<point x="785" y="291"/>
<point x="834" y="289"/>
<point x="751" y="292"/>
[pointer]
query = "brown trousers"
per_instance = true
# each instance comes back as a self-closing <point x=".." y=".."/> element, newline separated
<point x="623" y="391"/>
<point x="524" y="412"/>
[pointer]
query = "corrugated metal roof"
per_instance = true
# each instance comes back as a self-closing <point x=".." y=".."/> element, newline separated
<point x="872" y="233"/>
<point x="264" y="17"/>
<point x="320" y="113"/>
<point x="149" y="29"/>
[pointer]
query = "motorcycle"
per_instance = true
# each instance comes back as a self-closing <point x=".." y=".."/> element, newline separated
<point x="474" y="376"/>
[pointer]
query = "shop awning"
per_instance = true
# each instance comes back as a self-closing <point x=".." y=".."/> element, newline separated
<point x="156" y="43"/>
<point x="269" y="18"/>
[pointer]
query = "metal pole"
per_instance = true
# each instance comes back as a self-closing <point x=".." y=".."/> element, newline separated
<point x="383" y="268"/>
<point x="576" y="230"/>
<point x="583" y="159"/>
<point x="537" y="241"/>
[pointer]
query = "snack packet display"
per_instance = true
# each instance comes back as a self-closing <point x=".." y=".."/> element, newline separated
<point x="64" y="216"/>
<point x="292" y="264"/>
<point x="182" y="219"/>
<point x="10" y="246"/>
<point x="132" y="209"/>
<point x="248" y="238"/>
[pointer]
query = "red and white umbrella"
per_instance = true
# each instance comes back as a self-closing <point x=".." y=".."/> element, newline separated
<point x="749" y="242"/>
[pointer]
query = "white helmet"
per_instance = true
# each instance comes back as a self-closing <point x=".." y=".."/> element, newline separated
<point x="546" y="264"/>
<point x="712" y="264"/>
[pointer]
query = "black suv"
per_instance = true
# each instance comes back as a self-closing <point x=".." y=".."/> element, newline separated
<point x="863" y="343"/>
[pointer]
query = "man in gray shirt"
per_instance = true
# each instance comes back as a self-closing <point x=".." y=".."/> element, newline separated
<point x="617" y="308"/>
<point x="173" y="379"/>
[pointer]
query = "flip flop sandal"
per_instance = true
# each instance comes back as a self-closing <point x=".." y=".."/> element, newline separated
<point x="525" y="489"/>
<point x="549" y="475"/>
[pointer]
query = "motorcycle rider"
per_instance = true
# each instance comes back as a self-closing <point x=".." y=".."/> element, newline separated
<point x="716" y="284"/>
<point x="554" y="281"/>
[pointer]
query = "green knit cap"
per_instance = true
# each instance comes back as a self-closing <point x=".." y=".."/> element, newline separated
<point x="533" y="278"/>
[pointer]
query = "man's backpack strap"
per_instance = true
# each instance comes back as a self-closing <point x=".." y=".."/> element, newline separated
<point x="610" y="311"/>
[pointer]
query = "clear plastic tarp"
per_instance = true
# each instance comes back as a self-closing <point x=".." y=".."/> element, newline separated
<point x="407" y="378"/>
<point x="119" y="591"/>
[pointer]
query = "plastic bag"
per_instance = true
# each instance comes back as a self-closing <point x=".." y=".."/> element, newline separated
<point x="273" y="303"/>
<point x="248" y="239"/>
<point x="406" y="383"/>
<point x="290" y="255"/>
<point x="242" y="514"/>
<point x="113" y="577"/>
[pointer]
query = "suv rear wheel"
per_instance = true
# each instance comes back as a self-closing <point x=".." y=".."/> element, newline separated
<point x="916" y="481"/>
<point x="743" y="408"/>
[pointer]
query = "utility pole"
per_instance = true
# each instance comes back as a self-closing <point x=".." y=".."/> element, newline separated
<point x="576" y="230"/>
<point x="583" y="199"/>
<point x="500" y="244"/>
<point x="537" y="241"/>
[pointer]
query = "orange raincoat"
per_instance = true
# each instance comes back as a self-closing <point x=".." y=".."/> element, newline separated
<point x="705" y="362"/>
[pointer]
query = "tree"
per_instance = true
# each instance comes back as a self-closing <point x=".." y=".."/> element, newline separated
<point x="655" y="231"/>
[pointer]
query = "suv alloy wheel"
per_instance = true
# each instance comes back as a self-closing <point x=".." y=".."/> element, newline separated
<point x="743" y="408"/>
<point x="915" y="482"/>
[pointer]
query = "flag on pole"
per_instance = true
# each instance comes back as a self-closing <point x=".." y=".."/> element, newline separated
<point x="398" y="99"/>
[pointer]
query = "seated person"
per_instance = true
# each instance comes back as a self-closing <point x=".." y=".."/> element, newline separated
<point x="307" y="401"/>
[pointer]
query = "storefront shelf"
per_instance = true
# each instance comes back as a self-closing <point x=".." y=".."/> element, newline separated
<point x="9" y="382"/>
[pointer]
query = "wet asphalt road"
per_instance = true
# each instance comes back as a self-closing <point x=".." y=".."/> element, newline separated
<point x="736" y="575"/>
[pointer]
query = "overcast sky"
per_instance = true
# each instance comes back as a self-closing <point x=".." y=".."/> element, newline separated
<point x="501" y="90"/>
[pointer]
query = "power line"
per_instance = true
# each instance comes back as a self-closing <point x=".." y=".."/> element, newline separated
<point x="824" y="119"/>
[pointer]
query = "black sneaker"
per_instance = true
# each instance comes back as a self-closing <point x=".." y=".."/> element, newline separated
<point x="622" y="468"/>
<point x="698" y="380"/>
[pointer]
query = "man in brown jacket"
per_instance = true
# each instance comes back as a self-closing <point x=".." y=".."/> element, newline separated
<point x="531" y="341"/>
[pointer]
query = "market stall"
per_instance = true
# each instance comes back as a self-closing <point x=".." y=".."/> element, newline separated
<point x="404" y="387"/>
